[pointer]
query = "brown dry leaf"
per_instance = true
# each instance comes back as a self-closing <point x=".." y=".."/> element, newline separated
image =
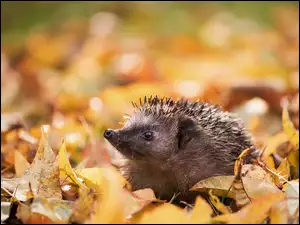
<point x="80" y="210"/>
<point x="161" y="214"/>
<point x="201" y="213"/>
<point x="255" y="212"/>
<point x="241" y="196"/>
<point x="219" y="205"/>
<point x="45" y="211"/>
<point x="21" y="164"/>
<point x="283" y="172"/>
<point x="220" y="186"/>
<point x="257" y="181"/>
<point x="42" y="175"/>
<point x="288" y="127"/>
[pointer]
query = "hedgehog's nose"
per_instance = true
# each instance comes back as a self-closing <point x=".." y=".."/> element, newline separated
<point x="108" y="134"/>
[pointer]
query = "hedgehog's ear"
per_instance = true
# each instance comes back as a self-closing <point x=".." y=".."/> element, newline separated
<point x="186" y="131"/>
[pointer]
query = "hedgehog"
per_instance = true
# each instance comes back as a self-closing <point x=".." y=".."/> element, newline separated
<point x="170" y="145"/>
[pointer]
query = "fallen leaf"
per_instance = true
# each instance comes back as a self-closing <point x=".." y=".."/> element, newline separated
<point x="291" y="189"/>
<point x="21" y="164"/>
<point x="269" y="161"/>
<point x="66" y="173"/>
<point x="93" y="177"/>
<point x="42" y="175"/>
<point x="140" y="199"/>
<point x="255" y="212"/>
<point x="161" y="214"/>
<point x="283" y="172"/>
<point x="111" y="202"/>
<point x="257" y="181"/>
<point x="201" y="213"/>
<point x="293" y="159"/>
<point x="45" y="210"/>
<point x="144" y="194"/>
<point x="81" y="212"/>
<point x="288" y="127"/>
<point x="279" y="213"/>
<point x="273" y="142"/>
<point x="241" y="196"/>
<point x="220" y="186"/>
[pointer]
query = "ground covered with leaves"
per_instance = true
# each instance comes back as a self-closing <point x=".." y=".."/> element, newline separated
<point x="63" y="85"/>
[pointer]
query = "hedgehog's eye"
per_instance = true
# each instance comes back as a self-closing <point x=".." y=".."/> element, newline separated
<point x="148" y="135"/>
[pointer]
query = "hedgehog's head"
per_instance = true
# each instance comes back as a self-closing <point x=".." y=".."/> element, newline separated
<point x="154" y="131"/>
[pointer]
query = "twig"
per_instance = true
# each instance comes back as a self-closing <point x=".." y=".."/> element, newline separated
<point x="174" y="197"/>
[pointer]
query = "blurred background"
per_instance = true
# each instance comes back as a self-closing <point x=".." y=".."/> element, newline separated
<point x="77" y="66"/>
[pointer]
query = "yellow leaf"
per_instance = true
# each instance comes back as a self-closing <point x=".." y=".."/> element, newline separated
<point x="283" y="172"/>
<point x="93" y="177"/>
<point x="279" y="214"/>
<point x="201" y="213"/>
<point x="288" y="127"/>
<point x="220" y="186"/>
<point x="111" y="205"/>
<point x="66" y="172"/>
<point x="162" y="214"/>
<point x="216" y="202"/>
<point x="255" y="212"/>
<point x="269" y="161"/>
<point x="80" y="210"/>
<point x="293" y="159"/>
<point x="21" y="164"/>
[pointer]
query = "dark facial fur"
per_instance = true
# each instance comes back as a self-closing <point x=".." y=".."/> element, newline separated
<point x="171" y="145"/>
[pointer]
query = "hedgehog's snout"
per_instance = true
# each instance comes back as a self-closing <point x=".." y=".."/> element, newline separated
<point x="111" y="136"/>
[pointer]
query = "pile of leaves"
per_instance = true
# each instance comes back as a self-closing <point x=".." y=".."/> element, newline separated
<point x="62" y="86"/>
<point x="50" y="190"/>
